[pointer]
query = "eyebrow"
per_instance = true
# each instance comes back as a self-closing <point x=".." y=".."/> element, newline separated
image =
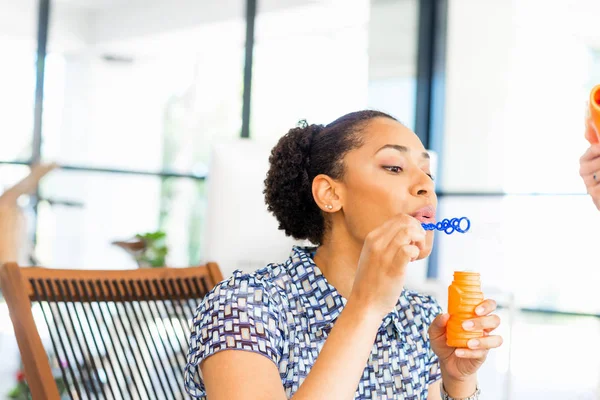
<point x="402" y="149"/>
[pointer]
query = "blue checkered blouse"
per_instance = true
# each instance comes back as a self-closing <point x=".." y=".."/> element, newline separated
<point x="285" y="312"/>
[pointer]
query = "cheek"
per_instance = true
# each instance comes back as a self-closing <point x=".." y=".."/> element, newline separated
<point x="369" y="208"/>
<point x="361" y="219"/>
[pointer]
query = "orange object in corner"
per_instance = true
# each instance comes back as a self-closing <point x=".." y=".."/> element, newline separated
<point x="592" y="128"/>
<point x="464" y="295"/>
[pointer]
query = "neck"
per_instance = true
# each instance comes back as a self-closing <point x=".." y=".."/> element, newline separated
<point x="337" y="258"/>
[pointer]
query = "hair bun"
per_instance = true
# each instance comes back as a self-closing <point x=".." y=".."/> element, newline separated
<point x="307" y="136"/>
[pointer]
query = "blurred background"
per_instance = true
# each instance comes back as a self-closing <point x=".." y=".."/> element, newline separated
<point x="137" y="101"/>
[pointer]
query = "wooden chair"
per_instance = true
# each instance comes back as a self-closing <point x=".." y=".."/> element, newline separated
<point x="118" y="334"/>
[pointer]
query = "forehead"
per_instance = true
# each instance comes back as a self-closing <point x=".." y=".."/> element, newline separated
<point x="382" y="131"/>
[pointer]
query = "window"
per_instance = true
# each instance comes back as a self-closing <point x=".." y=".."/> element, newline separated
<point x="132" y="108"/>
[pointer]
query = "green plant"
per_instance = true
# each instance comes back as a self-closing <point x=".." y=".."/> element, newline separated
<point x="155" y="250"/>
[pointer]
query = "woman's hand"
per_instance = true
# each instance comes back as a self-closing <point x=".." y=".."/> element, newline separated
<point x="590" y="167"/>
<point x="382" y="264"/>
<point x="460" y="365"/>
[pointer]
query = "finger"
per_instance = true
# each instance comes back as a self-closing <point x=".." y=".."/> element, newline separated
<point x="417" y="233"/>
<point x="438" y="326"/>
<point x="591" y="153"/>
<point x="404" y="255"/>
<point x="488" y="342"/>
<point x="380" y="232"/>
<point x="589" y="181"/>
<point x="589" y="167"/>
<point x="381" y="237"/>
<point x="406" y="236"/>
<point x="486" y="307"/>
<point x="469" y="353"/>
<point x="406" y="244"/>
<point x="489" y="322"/>
<point x="405" y="226"/>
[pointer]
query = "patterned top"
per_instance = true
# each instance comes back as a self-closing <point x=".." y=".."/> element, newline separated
<point x="285" y="312"/>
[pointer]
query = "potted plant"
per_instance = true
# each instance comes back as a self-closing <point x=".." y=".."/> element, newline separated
<point x="148" y="249"/>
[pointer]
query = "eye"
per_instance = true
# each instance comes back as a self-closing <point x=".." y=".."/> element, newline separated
<point x="431" y="176"/>
<point x="393" y="168"/>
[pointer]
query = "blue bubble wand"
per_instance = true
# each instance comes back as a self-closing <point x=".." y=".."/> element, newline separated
<point x="449" y="226"/>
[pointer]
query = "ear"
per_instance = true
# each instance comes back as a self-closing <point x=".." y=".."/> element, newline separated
<point x="326" y="192"/>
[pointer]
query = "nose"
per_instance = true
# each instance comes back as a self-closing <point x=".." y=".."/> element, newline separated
<point x="423" y="185"/>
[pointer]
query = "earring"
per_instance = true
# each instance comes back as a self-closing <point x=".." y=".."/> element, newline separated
<point x="329" y="207"/>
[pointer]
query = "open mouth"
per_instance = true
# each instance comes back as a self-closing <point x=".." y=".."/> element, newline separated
<point x="425" y="214"/>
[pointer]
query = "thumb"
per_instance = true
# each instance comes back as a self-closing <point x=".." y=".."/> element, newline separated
<point x="438" y="326"/>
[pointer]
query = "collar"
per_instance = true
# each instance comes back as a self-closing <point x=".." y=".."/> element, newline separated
<point x="322" y="302"/>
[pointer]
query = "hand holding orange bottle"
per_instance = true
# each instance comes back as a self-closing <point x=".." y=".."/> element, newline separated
<point x="590" y="162"/>
<point x="463" y="337"/>
<point x="592" y="131"/>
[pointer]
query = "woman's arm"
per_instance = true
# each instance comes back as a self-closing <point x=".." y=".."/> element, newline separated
<point x="335" y="374"/>
<point x="236" y="374"/>
<point x="342" y="360"/>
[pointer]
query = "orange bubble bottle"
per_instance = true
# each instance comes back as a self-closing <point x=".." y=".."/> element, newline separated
<point x="592" y="128"/>
<point x="464" y="295"/>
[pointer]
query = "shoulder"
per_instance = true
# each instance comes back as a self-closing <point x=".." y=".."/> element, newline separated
<point x="246" y="290"/>
<point x="243" y="292"/>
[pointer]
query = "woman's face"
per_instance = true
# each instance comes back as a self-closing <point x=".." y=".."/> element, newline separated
<point x="388" y="175"/>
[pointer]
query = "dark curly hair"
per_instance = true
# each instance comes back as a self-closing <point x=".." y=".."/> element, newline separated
<point x="300" y="155"/>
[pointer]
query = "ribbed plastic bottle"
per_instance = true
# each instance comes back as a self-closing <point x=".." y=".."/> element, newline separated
<point x="464" y="295"/>
<point x="592" y="131"/>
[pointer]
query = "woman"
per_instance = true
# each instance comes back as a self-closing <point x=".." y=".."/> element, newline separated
<point x="359" y="189"/>
<point x="590" y="172"/>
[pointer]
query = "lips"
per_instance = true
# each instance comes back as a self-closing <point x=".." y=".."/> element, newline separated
<point x="425" y="214"/>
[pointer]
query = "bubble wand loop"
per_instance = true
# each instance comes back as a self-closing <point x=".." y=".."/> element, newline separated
<point x="449" y="226"/>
